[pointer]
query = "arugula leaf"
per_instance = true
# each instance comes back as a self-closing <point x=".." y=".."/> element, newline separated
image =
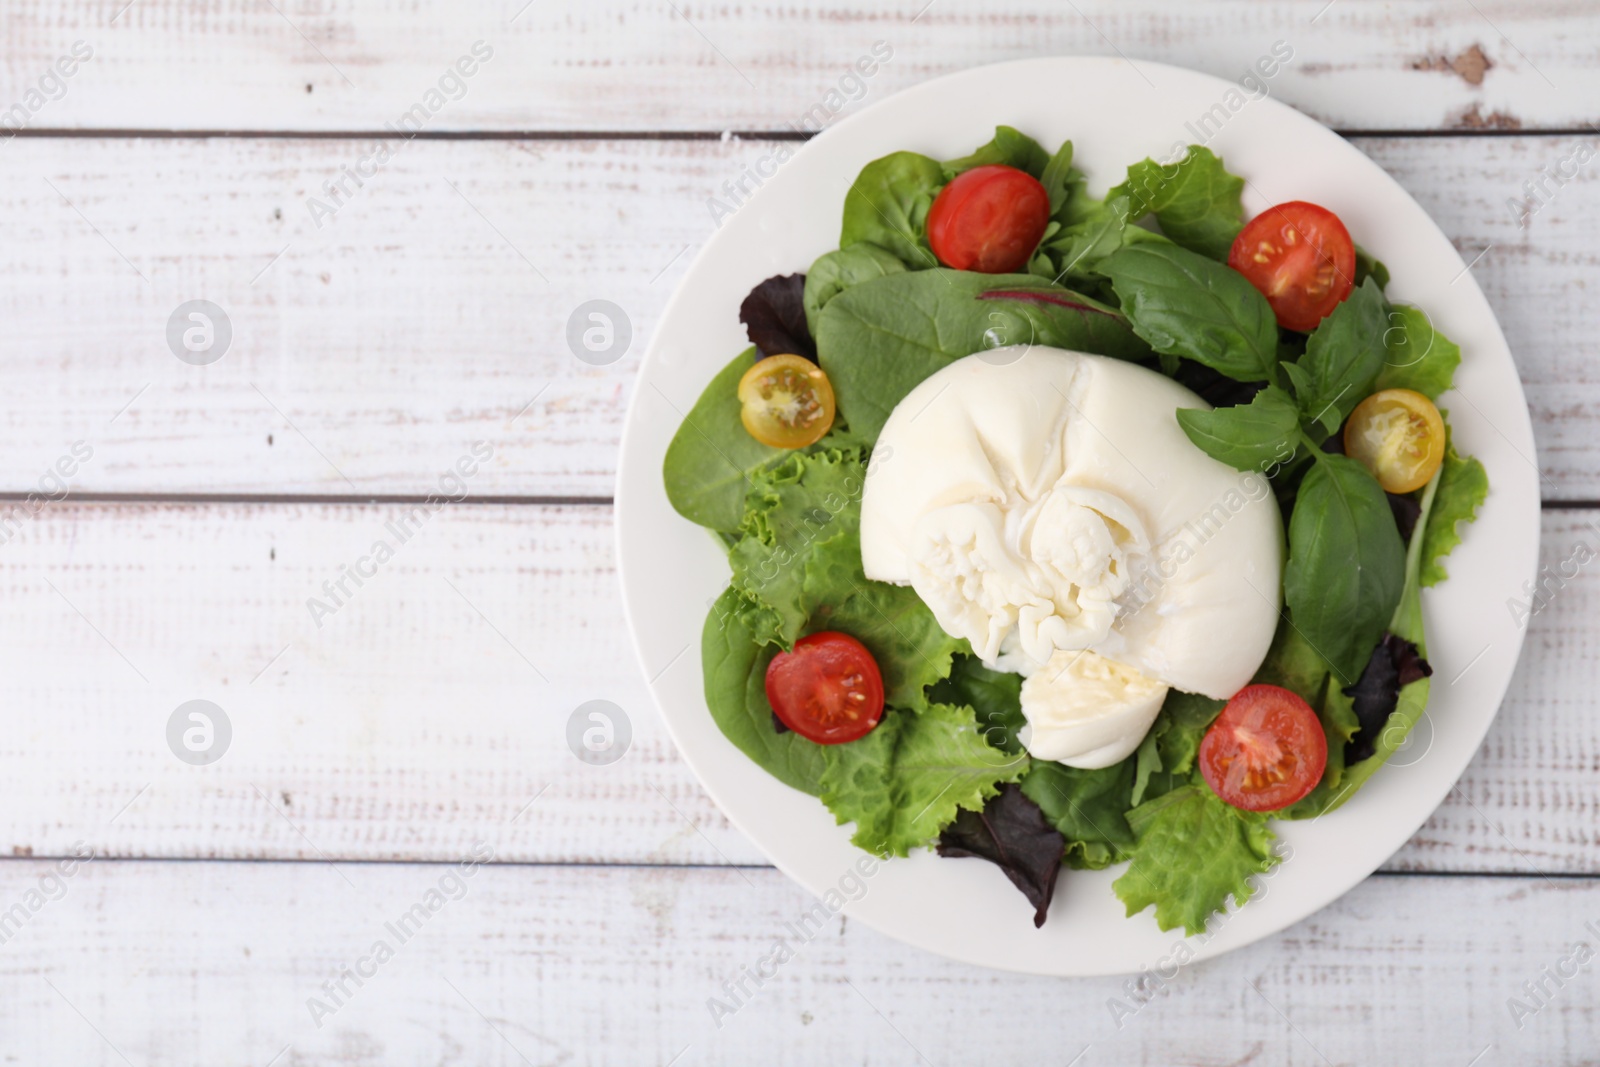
<point x="888" y="206"/>
<point x="1166" y="755"/>
<point x="1343" y="356"/>
<point x="836" y="271"/>
<point x="878" y="340"/>
<point x="1088" y="807"/>
<point x="1346" y="565"/>
<point x="1059" y="179"/>
<point x="1078" y="249"/>
<point x="1194" y="852"/>
<point x="711" y="458"/>
<point x="790" y="509"/>
<point x="1012" y="833"/>
<point x="1418" y="356"/>
<point x="735" y="670"/>
<point x="911" y="648"/>
<point x="1010" y="147"/>
<point x="1195" y="200"/>
<point x="907" y="780"/>
<point x="996" y="697"/>
<point x="1463" y="487"/>
<point x="1248" y="437"/>
<point x="1187" y="305"/>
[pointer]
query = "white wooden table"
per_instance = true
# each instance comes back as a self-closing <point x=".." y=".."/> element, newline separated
<point x="426" y="717"/>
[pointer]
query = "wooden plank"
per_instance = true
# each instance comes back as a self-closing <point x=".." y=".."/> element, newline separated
<point x="160" y="963"/>
<point x="432" y="706"/>
<point x="615" y="65"/>
<point x="424" y="317"/>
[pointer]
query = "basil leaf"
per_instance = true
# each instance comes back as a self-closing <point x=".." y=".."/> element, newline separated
<point x="1346" y="565"/>
<point x="1196" y="201"/>
<point x="711" y="457"/>
<point x="1010" y="147"/>
<point x="837" y="271"/>
<point x="879" y="339"/>
<point x="1417" y="355"/>
<point x="888" y="205"/>
<point x="1187" y="305"/>
<point x="1343" y="357"/>
<point x="1247" y="437"/>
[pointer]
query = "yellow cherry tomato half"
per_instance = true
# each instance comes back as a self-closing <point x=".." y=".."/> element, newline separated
<point x="1397" y="434"/>
<point x="787" y="402"/>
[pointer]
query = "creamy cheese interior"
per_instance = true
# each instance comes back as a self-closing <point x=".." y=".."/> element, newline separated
<point x="1046" y="503"/>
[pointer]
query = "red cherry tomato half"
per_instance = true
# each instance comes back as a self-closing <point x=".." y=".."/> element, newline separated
<point x="828" y="690"/>
<point x="988" y="219"/>
<point x="1265" y="751"/>
<point x="1301" y="258"/>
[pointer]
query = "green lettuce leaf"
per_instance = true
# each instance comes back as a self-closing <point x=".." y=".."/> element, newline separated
<point x="791" y="508"/>
<point x="1416" y="355"/>
<point x="1195" y="200"/>
<point x="907" y="780"/>
<point x="1463" y="487"/>
<point x="1193" y="853"/>
<point x="912" y="649"/>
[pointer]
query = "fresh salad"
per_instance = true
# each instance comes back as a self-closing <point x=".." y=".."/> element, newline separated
<point x="1070" y="531"/>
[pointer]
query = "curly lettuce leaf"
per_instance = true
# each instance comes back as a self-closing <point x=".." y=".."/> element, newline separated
<point x="910" y="777"/>
<point x="1463" y="487"/>
<point x="996" y="697"/>
<point x="1194" y="852"/>
<point x="790" y="508"/>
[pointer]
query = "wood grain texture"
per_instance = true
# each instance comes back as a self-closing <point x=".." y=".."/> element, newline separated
<point x="167" y="964"/>
<point x="623" y="65"/>
<point x="431" y="708"/>
<point x="433" y="308"/>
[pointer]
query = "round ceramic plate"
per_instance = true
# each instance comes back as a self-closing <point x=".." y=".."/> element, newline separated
<point x="1115" y="113"/>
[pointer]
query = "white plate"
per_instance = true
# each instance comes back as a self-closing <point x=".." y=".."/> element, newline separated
<point x="671" y="569"/>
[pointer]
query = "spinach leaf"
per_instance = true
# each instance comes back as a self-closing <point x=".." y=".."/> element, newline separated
<point x="1367" y="266"/>
<point x="996" y="697"/>
<point x="834" y="272"/>
<point x="1343" y="357"/>
<point x="1009" y="147"/>
<point x="1249" y="437"/>
<point x="1346" y="565"/>
<point x="1418" y="356"/>
<point x="1187" y="305"/>
<point x="888" y="206"/>
<point x="878" y="340"/>
<point x="1195" y="200"/>
<point x="1088" y="807"/>
<point x="1194" y="852"/>
<point x="1463" y="487"/>
<point x="910" y="777"/>
<point x="711" y="458"/>
<point x="1012" y="833"/>
<point x="735" y="670"/>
